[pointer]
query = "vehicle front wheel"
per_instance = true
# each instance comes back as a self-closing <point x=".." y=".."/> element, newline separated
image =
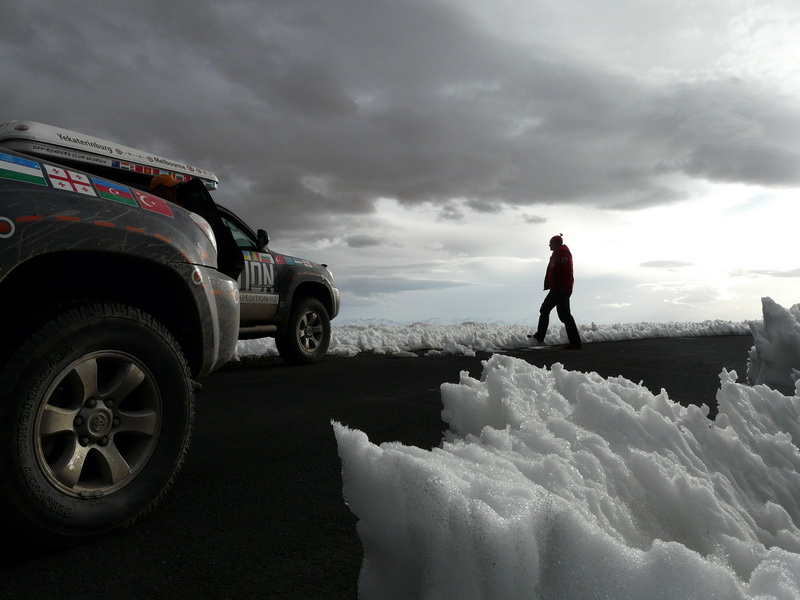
<point x="308" y="333"/>
<point x="96" y="410"/>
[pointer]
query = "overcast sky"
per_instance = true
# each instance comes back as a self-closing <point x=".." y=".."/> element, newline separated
<point x="428" y="149"/>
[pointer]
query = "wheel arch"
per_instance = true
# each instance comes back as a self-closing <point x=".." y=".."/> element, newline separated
<point x="310" y="289"/>
<point x="38" y="284"/>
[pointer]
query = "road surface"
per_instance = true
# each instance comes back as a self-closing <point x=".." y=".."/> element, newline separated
<point x="257" y="511"/>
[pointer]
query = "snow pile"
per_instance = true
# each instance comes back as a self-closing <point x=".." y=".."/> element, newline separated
<point x="467" y="338"/>
<point x="775" y="357"/>
<point x="558" y="484"/>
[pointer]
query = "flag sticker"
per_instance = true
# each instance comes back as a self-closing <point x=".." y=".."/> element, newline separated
<point x="21" y="169"/>
<point x="114" y="191"/>
<point x="153" y="203"/>
<point x="63" y="179"/>
<point x="257" y="257"/>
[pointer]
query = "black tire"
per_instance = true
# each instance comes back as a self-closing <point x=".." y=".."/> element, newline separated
<point x="96" y="412"/>
<point x="308" y="333"/>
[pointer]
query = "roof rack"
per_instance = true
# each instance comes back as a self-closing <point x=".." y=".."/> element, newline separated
<point x="92" y="154"/>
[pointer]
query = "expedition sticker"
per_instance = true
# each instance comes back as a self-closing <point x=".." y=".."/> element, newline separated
<point x="258" y="298"/>
<point x="257" y="277"/>
<point x="21" y="169"/>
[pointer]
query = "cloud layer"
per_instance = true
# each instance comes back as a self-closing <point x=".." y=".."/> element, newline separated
<point x="328" y="106"/>
<point x="314" y="112"/>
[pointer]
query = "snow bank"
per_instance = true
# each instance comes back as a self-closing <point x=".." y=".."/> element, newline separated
<point x="774" y="359"/>
<point x="467" y="338"/>
<point x="775" y="356"/>
<point x="558" y="484"/>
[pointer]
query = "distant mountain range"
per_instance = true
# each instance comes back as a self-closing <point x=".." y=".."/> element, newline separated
<point x="430" y="321"/>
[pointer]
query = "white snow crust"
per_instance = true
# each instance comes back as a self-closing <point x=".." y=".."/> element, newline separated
<point x="468" y="338"/>
<point x="557" y="484"/>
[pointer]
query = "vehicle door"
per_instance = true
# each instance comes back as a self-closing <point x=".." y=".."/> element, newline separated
<point x="259" y="297"/>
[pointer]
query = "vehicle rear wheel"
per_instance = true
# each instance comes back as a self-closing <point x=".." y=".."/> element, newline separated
<point x="308" y="335"/>
<point x="96" y="411"/>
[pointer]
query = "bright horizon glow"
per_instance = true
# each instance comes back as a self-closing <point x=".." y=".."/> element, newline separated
<point x="708" y="258"/>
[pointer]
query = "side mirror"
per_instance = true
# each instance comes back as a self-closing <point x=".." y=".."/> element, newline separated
<point x="263" y="240"/>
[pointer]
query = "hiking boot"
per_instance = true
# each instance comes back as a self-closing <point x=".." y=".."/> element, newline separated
<point x="535" y="340"/>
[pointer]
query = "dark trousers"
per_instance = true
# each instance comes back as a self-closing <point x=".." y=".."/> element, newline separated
<point x="559" y="300"/>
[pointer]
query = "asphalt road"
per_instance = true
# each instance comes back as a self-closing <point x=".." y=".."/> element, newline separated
<point x="257" y="511"/>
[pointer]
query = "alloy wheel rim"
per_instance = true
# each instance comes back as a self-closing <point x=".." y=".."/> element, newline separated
<point x="98" y="424"/>
<point x="310" y="331"/>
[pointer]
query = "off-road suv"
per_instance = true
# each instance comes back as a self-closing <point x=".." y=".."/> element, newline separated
<point x="288" y="298"/>
<point x="113" y="305"/>
<point x="291" y="299"/>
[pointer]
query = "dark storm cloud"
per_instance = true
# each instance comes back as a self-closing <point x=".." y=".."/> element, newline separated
<point x="451" y="212"/>
<point x="363" y="241"/>
<point x="311" y="110"/>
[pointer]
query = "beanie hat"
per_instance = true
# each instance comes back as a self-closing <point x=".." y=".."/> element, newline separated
<point x="557" y="240"/>
<point x="165" y="180"/>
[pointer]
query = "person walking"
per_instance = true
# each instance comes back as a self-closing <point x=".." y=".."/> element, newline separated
<point x="559" y="280"/>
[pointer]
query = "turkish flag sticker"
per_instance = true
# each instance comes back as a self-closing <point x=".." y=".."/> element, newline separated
<point x="153" y="203"/>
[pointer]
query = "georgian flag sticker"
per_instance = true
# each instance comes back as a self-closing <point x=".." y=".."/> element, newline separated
<point x="64" y="179"/>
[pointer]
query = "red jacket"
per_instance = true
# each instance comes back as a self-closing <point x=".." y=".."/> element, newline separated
<point x="559" y="272"/>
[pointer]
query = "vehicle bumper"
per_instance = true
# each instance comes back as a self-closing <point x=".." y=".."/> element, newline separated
<point x="336" y="302"/>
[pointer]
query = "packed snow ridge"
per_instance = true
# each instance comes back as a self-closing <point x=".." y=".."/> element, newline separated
<point x="469" y="338"/>
<point x="557" y="484"/>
